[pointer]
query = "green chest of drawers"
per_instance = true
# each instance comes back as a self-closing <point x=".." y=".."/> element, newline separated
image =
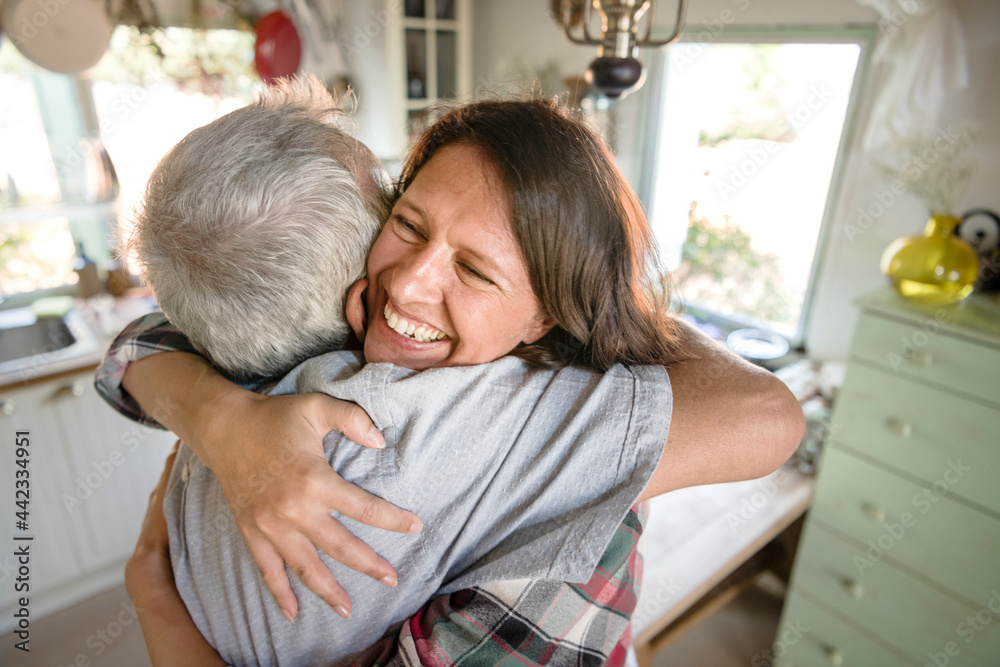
<point x="899" y="563"/>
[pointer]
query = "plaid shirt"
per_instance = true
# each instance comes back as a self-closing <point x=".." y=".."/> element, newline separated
<point x="522" y="622"/>
<point x="527" y="622"/>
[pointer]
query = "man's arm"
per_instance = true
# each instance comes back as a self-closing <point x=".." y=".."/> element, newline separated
<point x="731" y="420"/>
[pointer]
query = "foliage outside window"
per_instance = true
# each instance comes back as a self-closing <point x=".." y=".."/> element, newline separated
<point x="750" y="137"/>
<point x="150" y="89"/>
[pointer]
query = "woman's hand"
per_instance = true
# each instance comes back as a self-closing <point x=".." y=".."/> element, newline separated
<point x="267" y="453"/>
<point x="171" y="636"/>
<point x="282" y="492"/>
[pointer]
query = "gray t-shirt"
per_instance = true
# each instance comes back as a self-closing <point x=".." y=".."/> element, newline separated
<point x="515" y="472"/>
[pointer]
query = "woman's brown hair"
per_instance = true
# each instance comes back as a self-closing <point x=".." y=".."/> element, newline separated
<point x="589" y="251"/>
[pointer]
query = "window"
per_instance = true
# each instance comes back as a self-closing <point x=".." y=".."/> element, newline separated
<point x="68" y="143"/>
<point x="747" y="141"/>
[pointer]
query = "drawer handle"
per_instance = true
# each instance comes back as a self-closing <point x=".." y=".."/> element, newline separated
<point x="853" y="588"/>
<point x="835" y="657"/>
<point x="75" y="389"/>
<point x="919" y="358"/>
<point x="898" y="427"/>
<point x="7" y="407"/>
<point x="873" y="512"/>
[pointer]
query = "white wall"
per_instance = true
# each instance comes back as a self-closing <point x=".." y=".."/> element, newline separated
<point x="520" y="31"/>
<point x="849" y="268"/>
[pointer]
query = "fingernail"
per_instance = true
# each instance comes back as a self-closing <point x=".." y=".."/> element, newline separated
<point x="389" y="580"/>
<point x="416" y="526"/>
<point x="342" y="611"/>
<point x="288" y="615"/>
<point x="375" y="438"/>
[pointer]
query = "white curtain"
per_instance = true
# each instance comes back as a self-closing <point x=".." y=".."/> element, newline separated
<point x="923" y="60"/>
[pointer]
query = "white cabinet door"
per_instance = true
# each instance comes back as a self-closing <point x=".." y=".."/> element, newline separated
<point x="55" y="558"/>
<point x="112" y="465"/>
<point x="91" y="474"/>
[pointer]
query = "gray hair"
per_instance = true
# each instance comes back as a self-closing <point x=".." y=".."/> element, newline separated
<point x="254" y="226"/>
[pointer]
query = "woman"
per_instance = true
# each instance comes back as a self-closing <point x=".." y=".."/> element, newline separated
<point x="514" y="234"/>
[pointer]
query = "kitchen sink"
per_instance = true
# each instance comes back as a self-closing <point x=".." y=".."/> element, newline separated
<point x="31" y="342"/>
<point x="45" y="335"/>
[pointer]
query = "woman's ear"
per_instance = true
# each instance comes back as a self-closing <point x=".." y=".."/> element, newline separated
<point x="538" y="327"/>
<point x="354" y="308"/>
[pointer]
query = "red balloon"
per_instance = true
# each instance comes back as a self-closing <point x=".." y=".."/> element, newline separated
<point x="278" y="49"/>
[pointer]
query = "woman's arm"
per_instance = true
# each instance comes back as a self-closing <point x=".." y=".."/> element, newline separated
<point x="731" y="420"/>
<point x="281" y="489"/>
<point x="166" y="625"/>
<point x="168" y="399"/>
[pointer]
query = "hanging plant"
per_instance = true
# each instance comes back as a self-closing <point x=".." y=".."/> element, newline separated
<point x="932" y="164"/>
<point x="213" y="62"/>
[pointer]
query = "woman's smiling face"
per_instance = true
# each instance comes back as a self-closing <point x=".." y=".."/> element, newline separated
<point x="447" y="283"/>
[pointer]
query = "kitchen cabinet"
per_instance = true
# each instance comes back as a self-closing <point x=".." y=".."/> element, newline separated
<point x="898" y="561"/>
<point x="405" y="56"/>
<point x="91" y="472"/>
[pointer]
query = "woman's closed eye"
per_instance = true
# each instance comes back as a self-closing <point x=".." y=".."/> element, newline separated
<point x="406" y="229"/>
<point x="472" y="272"/>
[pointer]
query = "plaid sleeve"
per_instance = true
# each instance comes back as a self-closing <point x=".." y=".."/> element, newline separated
<point x="527" y="622"/>
<point x="150" y="334"/>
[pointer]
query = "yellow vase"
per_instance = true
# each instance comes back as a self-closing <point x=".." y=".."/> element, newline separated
<point x="936" y="267"/>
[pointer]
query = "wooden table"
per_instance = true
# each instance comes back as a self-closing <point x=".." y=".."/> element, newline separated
<point x="704" y="544"/>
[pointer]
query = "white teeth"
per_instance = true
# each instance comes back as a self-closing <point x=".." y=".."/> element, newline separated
<point x="401" y="326"/>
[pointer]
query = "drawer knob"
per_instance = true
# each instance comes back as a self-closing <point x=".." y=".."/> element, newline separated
<point x="8" y="406"/>
<point x="898" y="427"/>
<point x="873" y="512"/>
<point x="919" y="358"/>
<point x="853" y="588"/>
<point x="835" y="657"/>
<point x="75" y="389"/>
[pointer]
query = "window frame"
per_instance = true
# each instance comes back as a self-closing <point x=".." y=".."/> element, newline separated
<point x="92" y="222"/>
<point x="864" y="36"/>
<point x="87" y="221"/>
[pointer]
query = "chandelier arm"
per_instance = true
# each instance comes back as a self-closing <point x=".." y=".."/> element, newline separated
<point x="588" y="8"/>
<point x="578" y="40"/>
<point x="567" y="26"/>
<point x="650" y="20"/>
<point x="678" y="26"/>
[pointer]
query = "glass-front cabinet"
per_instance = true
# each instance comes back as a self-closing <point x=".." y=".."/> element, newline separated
<point x="419" y="57"/>
<point x="432" y="34"/>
